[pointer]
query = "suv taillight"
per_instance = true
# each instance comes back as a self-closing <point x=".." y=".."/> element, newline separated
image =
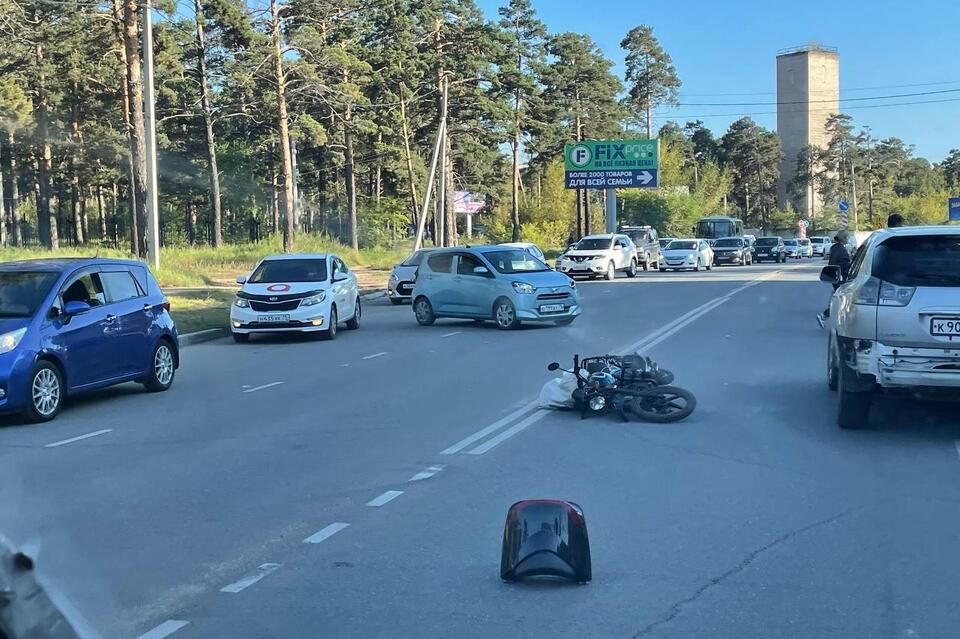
<point x="893" y="295"/>
<point x="876" y="292"/>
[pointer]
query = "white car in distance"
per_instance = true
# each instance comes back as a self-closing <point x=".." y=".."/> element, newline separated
<point x="304" y="293"/>
<point x="600" y="256"/>
<point x="690" y="254"/>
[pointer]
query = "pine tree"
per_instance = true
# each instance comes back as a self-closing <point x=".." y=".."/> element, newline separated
<point x="651" y="77"/>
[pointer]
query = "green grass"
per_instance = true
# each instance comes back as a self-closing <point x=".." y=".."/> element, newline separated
<point x="199" y="310"/>
<point x="204" y="266"/>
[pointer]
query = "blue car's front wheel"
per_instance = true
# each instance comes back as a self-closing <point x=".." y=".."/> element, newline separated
<point x="46" y="392"/>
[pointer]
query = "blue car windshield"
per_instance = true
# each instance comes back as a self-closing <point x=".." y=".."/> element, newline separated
<point x="21" y="292"/>
<point x="515" y="261"/>
<point x="285" y="271"/>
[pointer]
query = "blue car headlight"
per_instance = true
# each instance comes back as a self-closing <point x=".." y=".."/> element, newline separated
<point x="523" y="287"/>
<point x="313" y="300"/>
<point x="9" y="341"/>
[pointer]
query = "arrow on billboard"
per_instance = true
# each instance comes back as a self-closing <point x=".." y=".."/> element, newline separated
<point x="644" y="177"/>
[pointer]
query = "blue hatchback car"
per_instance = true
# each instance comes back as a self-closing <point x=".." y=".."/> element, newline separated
<point x="73" y="325"/>
<point x="503" y="283"/>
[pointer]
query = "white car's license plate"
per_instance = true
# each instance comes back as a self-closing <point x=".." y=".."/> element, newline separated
<point x="273" y="319"/>
<point x="945" y="326"/>
<point x="551" y="308"/>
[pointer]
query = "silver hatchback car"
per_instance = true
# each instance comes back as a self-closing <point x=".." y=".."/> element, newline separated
<point x="895" y="320"/>
<point x="500" y="283"/>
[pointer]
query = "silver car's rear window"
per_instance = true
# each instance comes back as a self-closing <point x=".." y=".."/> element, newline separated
<point x="919" y="260"/>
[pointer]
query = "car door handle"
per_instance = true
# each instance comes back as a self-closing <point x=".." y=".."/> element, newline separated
<point x="147" y="307"/>
<point x="110" y="318"/>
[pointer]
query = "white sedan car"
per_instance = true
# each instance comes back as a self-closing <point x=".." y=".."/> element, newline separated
<point x="309" y="293"/>
<point x="687" y="254"/>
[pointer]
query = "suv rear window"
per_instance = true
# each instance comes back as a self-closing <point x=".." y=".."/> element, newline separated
<point x="919" y="260"/>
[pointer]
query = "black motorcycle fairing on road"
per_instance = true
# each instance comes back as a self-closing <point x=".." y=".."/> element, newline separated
<point x="545" y="537"/>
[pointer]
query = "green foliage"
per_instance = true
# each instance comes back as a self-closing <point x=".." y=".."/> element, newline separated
<point x="651" y="78"/>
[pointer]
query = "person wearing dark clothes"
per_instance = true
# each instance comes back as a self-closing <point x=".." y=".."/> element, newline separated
<point x="839" y="256"/>
<point x="894" y="221"/>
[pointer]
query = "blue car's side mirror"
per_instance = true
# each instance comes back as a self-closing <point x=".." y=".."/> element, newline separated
<point x="75" y="308"/>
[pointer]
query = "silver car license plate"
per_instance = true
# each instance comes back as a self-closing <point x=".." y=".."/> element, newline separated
<point x="945" y="326"/>
<point x="551" y="308"/>
<point x="273" y="319"/>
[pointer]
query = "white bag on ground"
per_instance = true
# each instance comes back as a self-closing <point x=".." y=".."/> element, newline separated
<point x="557" y="392"/>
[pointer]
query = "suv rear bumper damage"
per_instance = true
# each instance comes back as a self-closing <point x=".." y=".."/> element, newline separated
<point x="905" y="367"/>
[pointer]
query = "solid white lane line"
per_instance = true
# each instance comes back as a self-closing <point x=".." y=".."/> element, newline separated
<point x="165" y="629"/>
<point x="78" y="438"/>
<point x="678" y="327"/>
<point x="262" y="571"/>
<point x="254" y="389"/>
<point x="386" y="497"/>
<point x="451" y="334"/>
<point x="375" y="355"/>
<point x="495" y="426"/>
<point x="325" y="533"/>
<point x="428" y="473"/>
<point x="510" y="432"/>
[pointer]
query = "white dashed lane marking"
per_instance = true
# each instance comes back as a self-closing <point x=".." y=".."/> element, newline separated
<point x="262" y="571"/>
<point x="165" y="629"/>
<point x="78" y="438"/>
<point x="254" y="389"/>
<point x="325" y="533"/>
<point x="386" y="497"/>
<point x="375" y="355"/>
<point x="428" y="473"/>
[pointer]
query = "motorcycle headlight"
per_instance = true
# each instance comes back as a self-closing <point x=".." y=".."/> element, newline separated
<point x="9" y="341"/>
<point x="241" y="303"/>
<point x="523" y="287"/>
<point x="313" y="300"/>
<point x="597" y="403"/>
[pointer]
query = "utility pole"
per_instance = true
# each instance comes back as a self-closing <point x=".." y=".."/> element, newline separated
<point x="150" y="139"/>
<point x="422" y="221"/>
<point x="853" y="190"/>
<point x="440" y="211"/>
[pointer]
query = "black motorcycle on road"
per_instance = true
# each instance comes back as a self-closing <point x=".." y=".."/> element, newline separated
<point x="628" y="385"/>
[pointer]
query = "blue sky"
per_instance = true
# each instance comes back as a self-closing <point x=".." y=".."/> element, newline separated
<point x="730" y="47"/>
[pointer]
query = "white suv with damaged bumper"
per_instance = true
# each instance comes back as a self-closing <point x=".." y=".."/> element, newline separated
<point x="304" y="293"/>
<point x="894" y="322"/>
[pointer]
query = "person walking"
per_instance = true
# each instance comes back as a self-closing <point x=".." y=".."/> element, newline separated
<point x="839" y="257"/>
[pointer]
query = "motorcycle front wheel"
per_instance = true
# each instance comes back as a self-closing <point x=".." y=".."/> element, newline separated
<point x="663" y="404"/>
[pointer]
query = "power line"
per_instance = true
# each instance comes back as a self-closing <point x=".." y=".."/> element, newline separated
<point x="844" y="89"/>
<point x="683" y="116"/>
<point x="872" y="97"/>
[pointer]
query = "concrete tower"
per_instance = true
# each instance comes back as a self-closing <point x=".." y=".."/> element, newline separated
<point x="808" y="92"/>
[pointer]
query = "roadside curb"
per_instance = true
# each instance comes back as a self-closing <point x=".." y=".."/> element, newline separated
<point x="374" y="295"/>
<point x="189" y="339"/>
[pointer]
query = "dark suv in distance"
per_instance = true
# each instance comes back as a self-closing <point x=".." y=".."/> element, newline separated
<point x="73" y="325"/>
<point x="770" y="248"/>
<point x="647" y="243"/>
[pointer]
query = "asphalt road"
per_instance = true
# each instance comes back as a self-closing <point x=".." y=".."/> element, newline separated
<point x="358" y="488"/>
